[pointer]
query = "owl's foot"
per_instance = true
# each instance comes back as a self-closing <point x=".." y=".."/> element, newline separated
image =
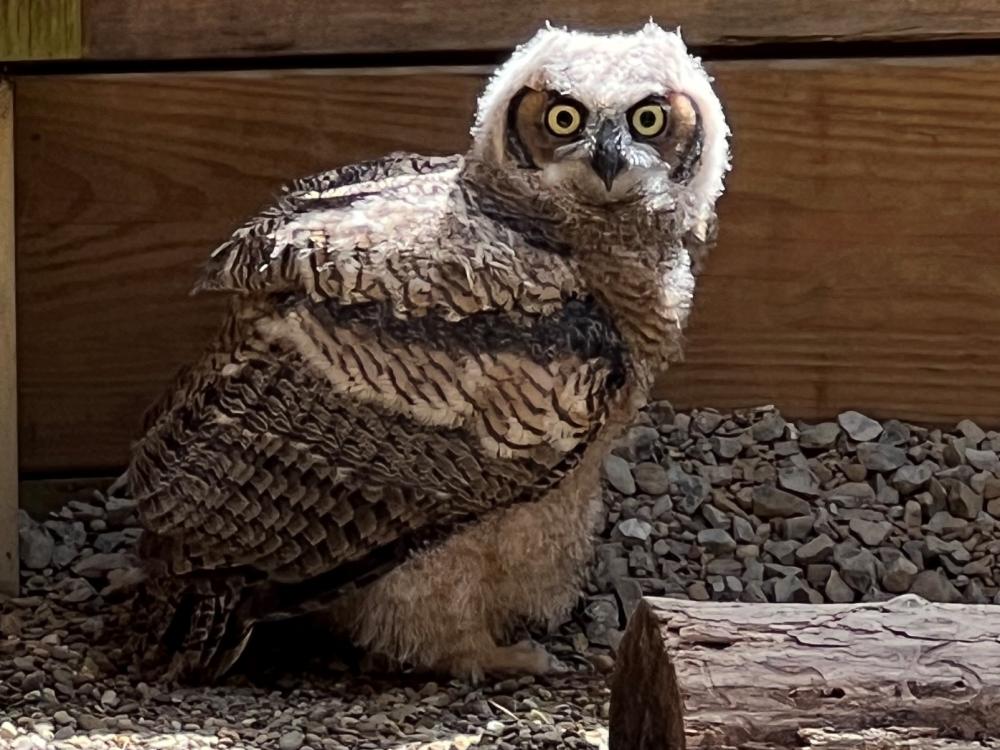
<point x="522" y="658"/>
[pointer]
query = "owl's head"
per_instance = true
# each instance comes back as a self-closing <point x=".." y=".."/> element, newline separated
<point x="606" y="120"/>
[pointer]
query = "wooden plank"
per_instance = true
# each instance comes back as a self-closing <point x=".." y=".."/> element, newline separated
<point x="123" y="29"/>
<point x="857" y="265"/>
<point x="40" y="29"/>
<point x="8" y="351"/>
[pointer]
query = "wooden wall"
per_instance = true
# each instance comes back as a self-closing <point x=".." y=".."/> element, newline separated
<point x="856" y="267"/>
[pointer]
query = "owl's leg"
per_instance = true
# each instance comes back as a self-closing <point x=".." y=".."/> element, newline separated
<point x="451" y="608"/>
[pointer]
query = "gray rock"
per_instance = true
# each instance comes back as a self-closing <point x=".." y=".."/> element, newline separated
<point x="662" y="506"/>
<point x="619" y="475"/>
<point x="111" y="541"/>
<point x="791" y="589"/>
<point x="717" y="541"/>
<point x="70" y="533"/>
<point x="715" y="517"/>
<point x="292" y="740"/>
<point x="753" y="593"/>
<point x="724" y="566"/>
<point x="753" y="571"/>
<point x="953" y="549"/>
<point x="965" y="502"/>
<point x="894" y="432"/>
<point x="36" y="545"/>
<point x="777" y="570"/>
<point x="914" y="550"/>
<point x="859" y="570"/>
<point x="99" y="565"/>
<point x="743" y="531"/>
<point x="912" y="515"/>
<point x="799" y="479"/>
<point x="818" y="573"/>
<point x="651" y="478"/>
<point x="637" y="444"/>
<point x="909" y="478"/>
<point x="63" y="555"/>
<point x="899" y="575"/>
<point x="770" y="502"/>
<point x="855" y="472"/>
<point x="818" y="549"/>
<point x="974" y="594"/>
<point x="707" y="422"/>
<point x="881" y="456"/>
<point x="980" y="567"/>
<point x="991" y="488"/>
<point x="983" y="460"/>
<point x="119" y="509"/>
<point x="629" y="593"/>
<point x="726" y="447"/>
<point x="945" y="523"/>
<point x="972" y="432"/>
<point x="822" y="435"/>
<point x="717" y="476"/>
<point x="85" y="511"/>
<point x="837" y="591"/>
<point x="698" y="591"/>
<point x="76" y="590"/>
<point x="852" y="495"/>
<point x="785" y="448"/>
<point x="860" y="428"/>
<point x="783" y="551"/>
<point x="771" y="427"/>
<point x="935" y="587"/>
<point x="871" y="533"/>
<point x="690" y="491"/>
<point x="798" y="527"/>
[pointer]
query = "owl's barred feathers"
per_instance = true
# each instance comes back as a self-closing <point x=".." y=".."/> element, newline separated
<point x="400" y="422"/>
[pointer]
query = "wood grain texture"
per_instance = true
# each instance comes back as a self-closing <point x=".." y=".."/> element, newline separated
<point x="856" y="269"/>
<point x="8" y="357"/>
<point x="222" y="28"/>
<point x="726" y="675"/>
<point x="40" y="29"/>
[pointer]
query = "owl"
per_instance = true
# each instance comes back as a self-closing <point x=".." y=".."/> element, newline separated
<point x="400" y="425"/>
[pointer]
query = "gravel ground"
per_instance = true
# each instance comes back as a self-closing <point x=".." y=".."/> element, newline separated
<point x="741" y="506"/>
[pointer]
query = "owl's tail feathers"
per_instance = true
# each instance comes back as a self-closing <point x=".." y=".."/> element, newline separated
<point x="188" y="629"/>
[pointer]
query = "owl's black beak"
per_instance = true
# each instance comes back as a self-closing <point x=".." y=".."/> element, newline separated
<point x="608" y="160"/>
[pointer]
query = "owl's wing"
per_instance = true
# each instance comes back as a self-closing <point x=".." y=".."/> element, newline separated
<point x="396" y="231"/>
<point x="384" y="376"/>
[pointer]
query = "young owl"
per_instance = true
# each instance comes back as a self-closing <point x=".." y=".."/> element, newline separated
<point x="402" y="420"/>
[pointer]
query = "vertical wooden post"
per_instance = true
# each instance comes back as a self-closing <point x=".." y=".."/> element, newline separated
<point x="8" y="352"/>
<point x="40" y="29"/>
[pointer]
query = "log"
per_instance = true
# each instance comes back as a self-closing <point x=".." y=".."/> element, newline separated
<point x="903" y="673"/>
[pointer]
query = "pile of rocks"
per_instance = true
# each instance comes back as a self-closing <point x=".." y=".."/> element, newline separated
<point x="744" y="506"/>
<point x="749" y="507"/>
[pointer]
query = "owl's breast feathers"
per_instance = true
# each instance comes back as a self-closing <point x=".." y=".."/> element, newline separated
<point x="395" y="364"/>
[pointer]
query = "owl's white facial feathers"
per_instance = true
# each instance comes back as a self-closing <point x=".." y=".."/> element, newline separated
<point x="610" y="73"/>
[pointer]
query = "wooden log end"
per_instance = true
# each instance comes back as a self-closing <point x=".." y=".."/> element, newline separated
<point x="647" y="712"/>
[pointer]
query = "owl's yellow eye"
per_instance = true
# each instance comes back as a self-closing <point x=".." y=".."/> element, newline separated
<point x="564" y="119"/>
<point x="648" y="120"/>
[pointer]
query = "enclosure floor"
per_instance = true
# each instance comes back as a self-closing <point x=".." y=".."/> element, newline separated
<point x="72" y="696"/>
<point x="742" y="506"/>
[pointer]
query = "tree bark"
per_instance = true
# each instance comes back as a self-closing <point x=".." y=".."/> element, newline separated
<point x="905" y="673"/>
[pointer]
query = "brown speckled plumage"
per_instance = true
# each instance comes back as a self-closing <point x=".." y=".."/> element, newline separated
<point x="401" y="420"/>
